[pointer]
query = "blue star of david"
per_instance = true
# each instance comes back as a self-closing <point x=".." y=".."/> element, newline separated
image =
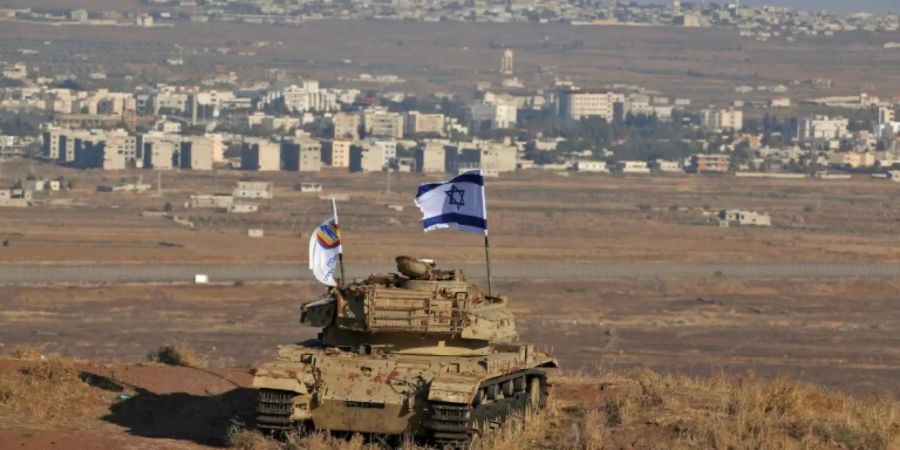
<point x="456" y="197"/>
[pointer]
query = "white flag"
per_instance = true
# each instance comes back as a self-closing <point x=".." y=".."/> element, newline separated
<point x="458" y="203"/>
<point x="324" y="252"/>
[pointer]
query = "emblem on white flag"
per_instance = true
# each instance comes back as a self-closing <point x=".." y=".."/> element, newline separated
<point x="324" y="252"/>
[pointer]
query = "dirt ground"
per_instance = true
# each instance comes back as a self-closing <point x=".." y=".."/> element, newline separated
<point x="839" y="334"/>
<point x="702" y="64"/>
<point x="532" y="216"/>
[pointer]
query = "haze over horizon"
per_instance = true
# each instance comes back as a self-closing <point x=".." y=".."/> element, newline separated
<point x="837" y="6"/>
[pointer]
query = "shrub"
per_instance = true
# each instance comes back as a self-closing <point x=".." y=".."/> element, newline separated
<point x="178" y="355"/>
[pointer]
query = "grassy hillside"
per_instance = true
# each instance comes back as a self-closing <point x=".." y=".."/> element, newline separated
<point x="639" y="409"/>
<point x="647" y="410"/>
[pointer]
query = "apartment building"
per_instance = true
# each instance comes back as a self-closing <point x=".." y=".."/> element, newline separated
<point x="346" y="125"/>
<point x="431" y="157"/>
<point x="336" y="153"/>
<point x="261" y="155"/>
<point x="489" y="116"/>
<point x="576" y="104"/>
<point x="380" y="123"/>
<point x="823" y="128"/>
<point x="366" y="157"/>
<point x="716" y="120"/>
<point x="301" y="155"/>
<point x="421" y="123"/>
<point x="197" y="153"/>
<point x="161" y="151"/>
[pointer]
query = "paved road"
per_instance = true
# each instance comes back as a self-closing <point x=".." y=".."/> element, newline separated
<point x="169" y="273"/>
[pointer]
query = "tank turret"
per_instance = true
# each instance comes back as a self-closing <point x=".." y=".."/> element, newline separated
<point x="420" y="351"/>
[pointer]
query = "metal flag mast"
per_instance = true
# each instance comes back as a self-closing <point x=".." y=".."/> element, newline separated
<point x="487" y="259"/>
<point x="337" y="226"/>
<point x="487" y="243"/>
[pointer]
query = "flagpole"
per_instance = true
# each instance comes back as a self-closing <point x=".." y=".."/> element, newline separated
<point x="341" y="253"/>
<point x="487" y="243"/>
<point x="487" y="258"/>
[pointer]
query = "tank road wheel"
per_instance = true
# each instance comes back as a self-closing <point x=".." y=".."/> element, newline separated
<point x="535" y="394"/>
<point x="508" y="389"/>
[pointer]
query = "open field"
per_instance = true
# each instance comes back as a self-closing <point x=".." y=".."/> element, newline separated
<point x="703" y="316"/>
<point x="703" y="64"/>
<point x="533" y="217"/>
<point x="77" y="405"/>
<point x="841" y="333"/>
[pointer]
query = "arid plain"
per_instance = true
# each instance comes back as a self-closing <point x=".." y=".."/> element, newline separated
<point x="838" y="332"/>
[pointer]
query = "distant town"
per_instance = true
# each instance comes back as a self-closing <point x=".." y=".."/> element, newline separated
<point x="289" y="123"/>
<point x="768" y="22"/>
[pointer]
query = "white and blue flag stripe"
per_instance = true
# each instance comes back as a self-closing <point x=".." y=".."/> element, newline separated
<point x="458" y="203"/>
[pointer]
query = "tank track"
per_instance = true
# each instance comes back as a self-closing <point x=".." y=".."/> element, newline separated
<point x="273" y="410"/>
<point x="453" y="425"/>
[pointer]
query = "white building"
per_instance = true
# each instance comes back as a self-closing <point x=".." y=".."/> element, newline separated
<point x="823" y="128"/>
<point x="337" y="153"/>
<point x="592" y="166"/>
<point x="578" y="104"/>
<point x="421" y="123"/>
<point x="301" y="155"/>
<point x="431" y="157"/>
<point x="667" y="166"/>
<point x="260" y="154"/>
<point x="633" y="167"/>
<point x="254" y="189"/>
<point x="308" y="97"/>
<point x="500" y="115"/>
<point x="346" y="125"/>
<point x="381" y="123"/>
<point x="366" y="157"/>
<point x="716" y="120"/>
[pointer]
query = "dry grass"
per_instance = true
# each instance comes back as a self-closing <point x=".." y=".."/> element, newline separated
<point x="730" y="413"/>
<point x="49" y="391"/>
<point x="28" y="353"/>
<point x="179" y="355"/>
<point x="643" y="409"/>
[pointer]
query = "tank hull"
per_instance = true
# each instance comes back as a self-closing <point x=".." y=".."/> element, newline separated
<point x="442" y="397"/>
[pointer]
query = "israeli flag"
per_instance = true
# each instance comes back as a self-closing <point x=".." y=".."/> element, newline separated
<point x="458" y="203"/>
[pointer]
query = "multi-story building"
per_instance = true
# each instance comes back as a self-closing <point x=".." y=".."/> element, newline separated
<point x="421" y="123"/>
<point x="431" y="157"/>
<point x="161" y="151"/>
<point x="301" y="155"/>
<point x="346" y="125"/>
<point x="197" y="152"/>
<point x="261" y="155"/>
<point x="381" y="123"/>
<point x="388" y="148"/>
<point x="366" y="157"/>
<point x="336" y="153"/>
<point x="577" y="104"/>
<point x="120" y="150"/>
<point x="487" y="116"/>
<point x="308" y="97"/>
<point x="498" y="158"/>
<point x="823" y="128"/>
<point x="492" y="158"/>
<point x="716" y="120"/>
